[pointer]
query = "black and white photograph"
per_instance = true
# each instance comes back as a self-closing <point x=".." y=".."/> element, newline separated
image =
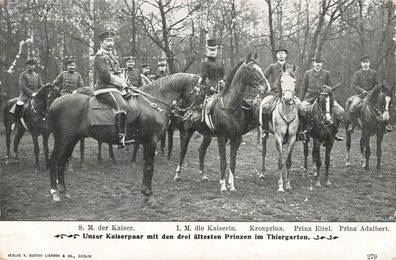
<point x="255" y="119"/>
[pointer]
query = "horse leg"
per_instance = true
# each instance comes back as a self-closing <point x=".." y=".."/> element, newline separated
<point x="263" y="155"/>
<point x="367" y="151"/>
<point x="82" y="152"/>
<point x="111" y="153"/>
<point x="380" y="136"/>
<point x="306" y="152"/>
<point x="235" y="143"/>
<point x="279" y="148"/>
<point x="45" y="148"/>
<point x="170" y="142"/>
<point x="148" y="169"/>
<point x="65" y="156"/>
<point x="134" y="153"/>
<point x="162" y="144"/>
<point x="20" y="132"/>
<point x="328" y="148"/>
<point x="185" y="137"/>
<point x="99" y="156"/>
<point x="348" y="147"/>
<point x="7" y="126"/>
<point x="362" y="149"/>
<point x="222" y="141"/>
<point x="292" y="142"/>
<point x="206" y="140"/>
<point x="36" y="151"/>
<point x="317" y="161"/>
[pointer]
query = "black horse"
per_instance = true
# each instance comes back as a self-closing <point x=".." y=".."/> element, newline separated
<point x="34" y="117"/>
<point x="229" y="119"/>
<point x="146" y="123"/>
<point x="373" y="116"/>
<point x="322" y="129"/>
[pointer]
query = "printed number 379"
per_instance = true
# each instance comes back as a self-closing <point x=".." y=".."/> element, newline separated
<point x="371" y="256"/>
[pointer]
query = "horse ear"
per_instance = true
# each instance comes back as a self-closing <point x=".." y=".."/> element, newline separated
<point x="294" y="68"/>
<point x="336" y="86"/>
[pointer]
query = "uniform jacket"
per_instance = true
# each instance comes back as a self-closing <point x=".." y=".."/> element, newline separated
<point x="133" y="77"/>
<point x="364" y="80"/>
<point x="106" y="66"/>
<point x="68" y="82"/>
<point x="273" y="73"/>
<point x="29" y="82"/>
<point x="312" y="82"/>
<point x="212" y="71"/>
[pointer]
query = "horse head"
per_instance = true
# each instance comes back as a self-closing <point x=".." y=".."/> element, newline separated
<point x="45" y="96"/>
<point x="288" y="86"/>
<point x="325" y="102"/>
<point x="254" y="75"/>
<point x="381" y="100"/>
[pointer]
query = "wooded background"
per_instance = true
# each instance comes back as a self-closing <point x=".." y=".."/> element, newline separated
<point x="342" y="30"/>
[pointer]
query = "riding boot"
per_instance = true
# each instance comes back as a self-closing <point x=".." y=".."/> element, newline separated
<point x="120" y="128"/>
<point x="352" y="126"/>
<point x="302" y="134"/>
<point x="337" y="137"/>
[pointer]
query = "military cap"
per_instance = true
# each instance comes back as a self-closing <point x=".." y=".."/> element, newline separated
<point x="318" y="58"/>
<point x="145" y="65"/>
<point x="161" y="63"/>
<point x="31" y="61"/>
<point x="364" y="58"/>
<point x="106" y="34"/>
<point x="211" y="44"/>
<point x="69" y="60"/>
<point x="281" y="48"/>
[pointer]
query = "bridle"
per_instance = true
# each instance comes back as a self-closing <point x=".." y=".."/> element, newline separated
<point x="323" y="121"/>
<point x="186" y="112"/>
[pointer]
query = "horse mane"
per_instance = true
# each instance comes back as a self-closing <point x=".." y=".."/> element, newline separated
<point x="43" y="91"/>
<point x="175" y="82"/>
<point x="373" y="96"/>
<point x="231" y="75"/>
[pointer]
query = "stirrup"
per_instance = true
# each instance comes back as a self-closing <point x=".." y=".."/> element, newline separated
<point x="13" y="126"/>
<point x="265" y="134"/>
<point x="388" y="128"/>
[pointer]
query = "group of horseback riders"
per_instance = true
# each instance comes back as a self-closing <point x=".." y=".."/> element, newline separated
<point x="111" y="83"/>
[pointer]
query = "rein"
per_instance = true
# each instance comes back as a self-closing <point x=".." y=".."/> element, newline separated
<point x="322" y="121"/>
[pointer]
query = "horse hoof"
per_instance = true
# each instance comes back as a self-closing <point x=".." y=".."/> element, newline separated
<point x="318" y="184"/>
<point x="280" y="190"/>
<point x="56" y="197"/>
<point x="67" y="195"/>
<point x="328" y="183"/>
<point x="150" y="201"/>
<point x="176" y="179"/>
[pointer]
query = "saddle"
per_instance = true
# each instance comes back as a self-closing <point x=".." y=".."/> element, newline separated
<point x="207" y="110"/>
<point x="100" y="114"/>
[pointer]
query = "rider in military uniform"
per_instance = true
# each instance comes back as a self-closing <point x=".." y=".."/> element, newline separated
<point x="70" y="80"/>
<point x="132" y="73"/>
<point x="145" y="74"/>
<point x="273" y="73"/>
<point x="313" y="80"/>
<point x="161" y="70"/>
<point x="212" y="71"/>
<point x="363" y="81"/>
<point x="110" y="85"/>
<point x="29" y="83"/>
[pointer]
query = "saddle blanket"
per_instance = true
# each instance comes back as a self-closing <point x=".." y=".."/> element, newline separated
<point x="207" y="111"/>
<point x="103" y="114"/>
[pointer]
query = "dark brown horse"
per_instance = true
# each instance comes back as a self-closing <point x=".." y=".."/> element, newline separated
<point x="230" y="120"/>
<point x="374" y="114"/>
<point x="322" y="129"/>
<point x="35" y="119"/>
<point x="69" y="123"/>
